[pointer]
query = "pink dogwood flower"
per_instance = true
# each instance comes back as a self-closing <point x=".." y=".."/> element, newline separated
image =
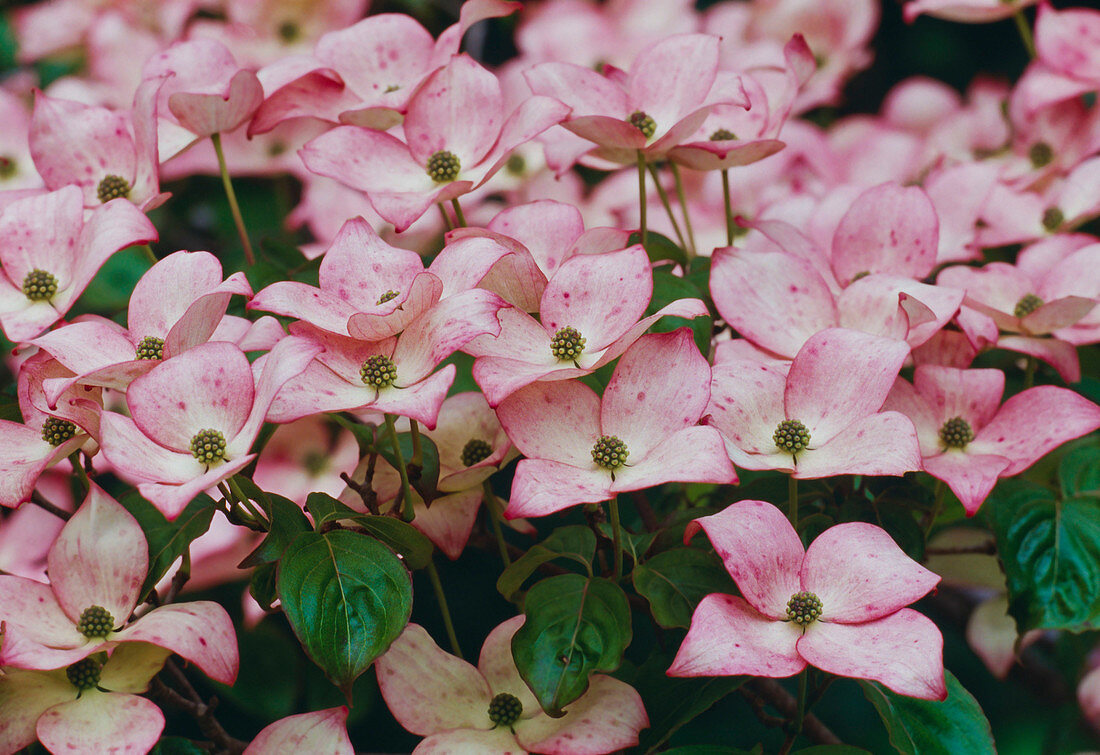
<point x="178" y="304"/>
<point x="194" y="417"/>
<point x="91" y="707"/>
<point x="582" y="448"/>
<point x="457" y="135"/>
<point x="458" y="707"/>
<point x="306" y="456"/>
<point x="96" y="567"/>
<point x="1068" y="57"/>
<point x="969" y="440"/>
<point x="51" y="254"/>
<point x="322" y="731"/>
<point x="107" y="154"/>
<point x="370" y="290"/>
<point x="838" y="605"/>
<point x="822" y="417"/>
<point x="966" y="11"/>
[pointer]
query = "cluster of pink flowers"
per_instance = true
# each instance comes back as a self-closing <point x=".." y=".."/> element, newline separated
<point x="844" y="271"/>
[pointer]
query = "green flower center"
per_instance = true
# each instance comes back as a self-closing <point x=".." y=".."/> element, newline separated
<point x="474" y="451"/>
<point x="39" y="285"/>
<point x="388" y="296"/>
<point x="85" y="674"/>
<point x="95" y="621"/>
<point x="208" y="446"/>
<point x="722" y="135"/>
<point x="1028" y="303"/>
<point x="956" y="433"/>
<point x="1053" y="218"/>
<point x="289" y="31"/>
<point x="378" y="371"/>
<point x="610" y="452"/>
<point x="391" y="88"/>
<point x="151" y="347"/>
<point x="515" y="165"/>
<point x="56" y="431"/>
<point x="443" y="166"/>
<point x="643" y="123"/>
<point x="791" y="436"/>
<point x="505" y="710"/>
<point x="315" y="463"/>
<point x="7" y="167"/>
<point x="803" y="608"/>
<point x="567" y="344"/>
<point x="112" y="187"/>
<point x="1040" y="154"/>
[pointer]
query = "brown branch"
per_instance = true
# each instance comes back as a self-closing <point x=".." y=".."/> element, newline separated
<point x="191" y="703"/>
<point x="783" y="701"/>
<point x="40" y="501"/>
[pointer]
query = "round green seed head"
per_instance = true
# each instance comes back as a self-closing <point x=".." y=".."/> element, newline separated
<point x="1028" y="303"/>
<point x="39" y="285"/>
<point x="95" y="621"/>
<point x="112" y="187"/>
<point x="151" y="347"/>
<point x="515" y="165"/>
<point x="7" y="167"/>
<point x="56" y="431"/>
<point x="722" y="135"/>
<point x="956" y="433"/>
<point x="1053" y="218"/>
<point x="84" y="674"/>
<point x="474" y="451"/>
<point x="388" y="296"/>
<point x="1040" y="154"/>
<point x="443" y="166"/>
<point x="567" y="344"/>
<point x="791" y="436"/>
<point x="643" y="123"/>
<point x="803" y="608"/>
<point x="610" y="452"/>
<point x="505" y="710"/>
<point x="208" y="446"/>
<point x="378" y="371"/>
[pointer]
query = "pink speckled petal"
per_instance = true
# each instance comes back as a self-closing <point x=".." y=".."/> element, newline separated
<point x="881" y="444"/>
<point x="100" y="559"/>
<point x="371" y="161"/>
<point x="974" y="395"/>
<point x="132" y="667"/>
<point x="304" y="302"/>
<point x="606" y="718"/>
<point x="543" y="487"/>
<point x="746" y="404"/>
<point x="458" y="108"/>
<point x="584" y="90"/>
<point x="729" y="637"/>
<point x="1060" y="355"/>
<point x="443" y="329"/>
<point x="38" y="631"/>
<point x="903" y="651"/>
<point x="760" y="550"/>
<point x="136" y="457"/>
<point x="889" y="229"/>
<point x="860" y="574"/>
<point x="1060" y="313"/>
<point x="672" y="78"/>
<point x="496" y="664"/>
<point x="23" y="457"/>
<point x="450" y="519"/>
<point x="429" y="690"/>
<point x="98" y="722"/>
<point x="25" y="696"/>
<point x="971" y="476"/>
<point x="556" y="420"/>
<point x="173" y="499"/>
<point x="498" y="741"/>
<point x="207" y="114"/>
<point x="199" y="631"/>
<point x="323" y="732"/>
<point x="693" y="454"/>
<point x="389" y="49"/>
<point x="42" y="232"/>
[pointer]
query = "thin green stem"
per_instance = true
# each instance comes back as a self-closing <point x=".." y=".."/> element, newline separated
<point x="1029" y="372"/>
<point x="937" y="507"/>
<point x="246" y="503"/>
<point x="78" y="469"/>
<point x="441" y="598"/>
<point x="234" y="208"/>
<point x="792" y="500"/>
<point x="668" y="207"/>
<point x="641" y="197"/>
<point x="149" y="253"/>
<point x="616" y="537"/>
<point x="446" y="218"/>
<point x="417" y="459"/>
<point x="1025" y="33"/>
<point x="684" y="208"/>
<point x="404" y="499"/>
<point x="800" y="712"/>
<point x="729" y="206"/>
<point x="493" y="508"/>
<point x="460" y="219"/>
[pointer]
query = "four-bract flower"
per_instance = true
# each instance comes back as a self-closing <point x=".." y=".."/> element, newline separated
<point x="838" y="605"/>
<point x="582" y="448"/>
<point x="97" y="566"/>
<point x="822" y="417"/>
<point x="458" y="707"/>
<point x="969" y="440"/>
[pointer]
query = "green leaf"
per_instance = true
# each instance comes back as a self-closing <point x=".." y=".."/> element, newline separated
<point x="1079" y="471"/>
<point x="177" y="746"/>
<point x="668" y="288"/>
<point x="428" y="477"/>
<point x="673" y="702"/>
<point x="575" y="626"/>
<point x="1050" y="551"/>
<point x="926" y="727"/>
<point x="576" y="543"/>
<point x="168" y="540"/>
<point x="411" y="543"/>
<point x="713" y="750"/>
<point x="676" y="580"/>
<point x="831" y="750"/>
<point x="287" y="522"/>
<point x="347" y="597"/>
<point x="325" y="509"/>
<point x="659" y="247"/>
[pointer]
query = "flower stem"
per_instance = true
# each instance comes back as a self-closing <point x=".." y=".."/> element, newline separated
<point x="247" y="504"/>
<point x="641" y="196"/>
<point x="668" y="207"/>
<point x="40" y="501"/>
<point x="441" y="598"/>
<point x="684" y="208"/>
<point x="1025" y="33"/>
<point x="800" y="712"/>
<point x="446" y="218"/>
<point x="404" y="501"/>
<point x="1029" y="372"/>
<point x="729" y="206"/>
<point x="493" y="509"/>
<point x="417" y="459"/>
<point x="234" y="208"/>
<point x="792" y="501"/>
<point x="460" y="219"/>
<point x="149" y="253"/>
<point x="616" y="537"/>
<point x="937" y="507"/>
<point x="85" y="484"/>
